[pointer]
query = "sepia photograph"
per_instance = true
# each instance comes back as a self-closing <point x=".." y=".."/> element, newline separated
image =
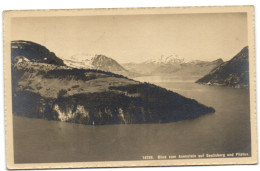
<point x="130" y="87"/>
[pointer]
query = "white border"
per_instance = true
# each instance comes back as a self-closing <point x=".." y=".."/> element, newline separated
<point x="51" y="4"/>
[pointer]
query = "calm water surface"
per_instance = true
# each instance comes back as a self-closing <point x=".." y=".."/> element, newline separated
<point x="227" y="130"/>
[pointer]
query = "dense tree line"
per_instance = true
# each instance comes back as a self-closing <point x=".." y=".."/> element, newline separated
<point x="152" y="105"/>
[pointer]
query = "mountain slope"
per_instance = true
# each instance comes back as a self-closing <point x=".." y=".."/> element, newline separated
<point x="233" y="73"/>
<point x="100" y="62"/>
<point x="141" y="68"/>
<point x="89" y="96"/>
<point x="194" y="68"/>
<point x="34" y="52"/>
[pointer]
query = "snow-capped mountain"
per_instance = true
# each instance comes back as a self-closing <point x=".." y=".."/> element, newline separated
<point x="173" y="64"/>
<point x="169" y="59"/>
<point x="100" y="62"/>
<point x="80" y="61"/>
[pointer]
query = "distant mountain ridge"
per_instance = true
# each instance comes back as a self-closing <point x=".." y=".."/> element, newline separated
<point x="171" y="59"/>
<point x="233" y="73"/>
<point x="196" y="68"/>
<point x="173" y="66"/>
<point x="90" y="96"/>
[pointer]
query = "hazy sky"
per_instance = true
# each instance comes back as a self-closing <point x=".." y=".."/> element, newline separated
<point x="140" y="37"/>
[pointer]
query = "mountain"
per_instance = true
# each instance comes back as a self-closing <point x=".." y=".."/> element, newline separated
<point x="149" y="67"/>
<point x="34" y="52"/>
<point x="171" y="59"/>
<point x="173" y="66"/>
<point x="140" y="68"/>
<point x="100" y="62"/>
<point x="90" y="96"/>
<point x="195" y="68"/>
<point x="233" y="73"/>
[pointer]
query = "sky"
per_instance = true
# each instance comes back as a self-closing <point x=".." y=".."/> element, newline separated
<point x="137" y="38"/>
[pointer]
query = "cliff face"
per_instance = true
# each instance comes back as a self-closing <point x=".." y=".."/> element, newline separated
<point x="233" y="73"/>
<point x="140" y="103"/>
<point x="89" y="96"/>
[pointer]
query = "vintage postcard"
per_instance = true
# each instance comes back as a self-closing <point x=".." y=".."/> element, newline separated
<point x="130" y="87"/>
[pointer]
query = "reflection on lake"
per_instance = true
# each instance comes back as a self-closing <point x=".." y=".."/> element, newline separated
<point x="227" y="130"/>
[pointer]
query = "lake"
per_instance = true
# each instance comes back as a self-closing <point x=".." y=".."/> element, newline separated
<point x="225" y="131"/>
